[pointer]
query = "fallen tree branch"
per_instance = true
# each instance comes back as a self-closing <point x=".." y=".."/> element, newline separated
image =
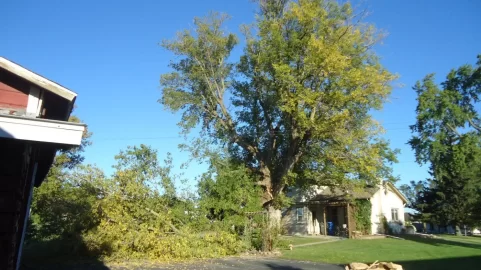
<point x="177" y="231"/>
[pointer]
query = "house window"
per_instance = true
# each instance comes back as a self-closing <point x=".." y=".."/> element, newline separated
<point x="300" y="214"/>
<point x="394" y="214"/>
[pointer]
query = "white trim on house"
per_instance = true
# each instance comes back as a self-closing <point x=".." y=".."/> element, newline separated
<point x="37" y="79"/>
<point x="40" y="130"/>
<point x="33" y="101"/>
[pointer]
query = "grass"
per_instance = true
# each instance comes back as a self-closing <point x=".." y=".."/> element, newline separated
<point x="413" y="253"/>
<point x="463" y="239"/>
<point x="297" y="240"/>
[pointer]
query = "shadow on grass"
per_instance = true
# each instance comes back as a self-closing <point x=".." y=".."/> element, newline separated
<point x="61" y="253"/>
<point x="440" y="242"/>
<point x="473" y="262"/>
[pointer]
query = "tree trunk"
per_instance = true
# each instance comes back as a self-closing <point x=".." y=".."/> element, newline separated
<point x="274" y="216"/>
<point x="267" y="195"/>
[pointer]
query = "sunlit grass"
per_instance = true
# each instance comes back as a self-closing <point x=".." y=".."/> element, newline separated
<point x="413" y="253"/>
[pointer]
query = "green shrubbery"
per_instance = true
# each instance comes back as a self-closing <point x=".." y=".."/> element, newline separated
<point x="362" y="215"/>
<point x="147" y="244"/>
<point x="137" y="212"/>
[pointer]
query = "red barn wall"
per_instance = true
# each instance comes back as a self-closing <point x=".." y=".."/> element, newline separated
<point x="13" y="92"/>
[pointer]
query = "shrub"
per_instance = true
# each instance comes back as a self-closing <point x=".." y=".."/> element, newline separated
<point x="149" y="244"/>
<point x="362" y="215"/>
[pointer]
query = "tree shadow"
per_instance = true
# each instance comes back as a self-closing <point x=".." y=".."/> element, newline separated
<point x="281" y="267"/>
<point x="282" y="264"/>
<point x="441" y="242"/>
<point x="61" y="253"/>
<point x="473" y="262"/>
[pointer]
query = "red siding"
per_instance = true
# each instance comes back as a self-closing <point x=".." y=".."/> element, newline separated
<point x="12" y="98"/>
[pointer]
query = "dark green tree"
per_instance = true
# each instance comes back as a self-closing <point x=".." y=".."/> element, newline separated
<point x="447" y="137"/>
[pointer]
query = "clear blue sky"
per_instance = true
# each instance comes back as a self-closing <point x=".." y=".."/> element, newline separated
<point x="107" y="52"/>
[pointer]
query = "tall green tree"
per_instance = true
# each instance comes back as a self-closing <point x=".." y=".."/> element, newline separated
<point x="295" y="107"/>
<point x="447" y="137"/>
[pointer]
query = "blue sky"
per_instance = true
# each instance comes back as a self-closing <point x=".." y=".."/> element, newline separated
<point x="107" y="51"/>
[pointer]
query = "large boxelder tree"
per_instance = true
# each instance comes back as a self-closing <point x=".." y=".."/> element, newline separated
<point x="295" y="107"/>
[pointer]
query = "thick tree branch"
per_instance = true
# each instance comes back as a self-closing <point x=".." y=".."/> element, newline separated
<point x="177" y="231"/>
<point x="453" y="129"/>
<point x="471" y="122"/>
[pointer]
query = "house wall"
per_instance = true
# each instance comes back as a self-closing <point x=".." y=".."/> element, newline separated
<point x="383" y="201"/>
<point x="313" y="222"/>
<point x="290" y="223"/>
<point x="13" y="94"/>
<point x="433" y="228"/>
<point x="16" y="172"/>
<point x="316" y="223"/>
<point x="376" y="212"/>
<point x="21" y="98"/>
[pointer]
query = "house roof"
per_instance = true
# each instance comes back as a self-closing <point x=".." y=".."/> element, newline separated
<point x="337" y="194"/>
<point x="48" y="134"/>
<point x="36" y="79"/>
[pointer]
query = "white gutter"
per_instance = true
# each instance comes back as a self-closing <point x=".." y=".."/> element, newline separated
<point x="40" y="130"/>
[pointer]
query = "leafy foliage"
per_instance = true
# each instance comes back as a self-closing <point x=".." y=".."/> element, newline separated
<point x="65" y="207"/>
<point x="300" y="95"/>
<point x="227" y="193"/>
<point x="60" y="207"/>
<point x="447" y="137"/>
<point x="362" y="215"/>
<point x="136" y="213"/>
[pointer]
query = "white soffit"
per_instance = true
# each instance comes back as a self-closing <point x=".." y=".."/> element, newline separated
<point x="41" y="130"/>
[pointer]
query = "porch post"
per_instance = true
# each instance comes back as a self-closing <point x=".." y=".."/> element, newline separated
<point x="349" y="231"/>
<point x="325" y="223"/>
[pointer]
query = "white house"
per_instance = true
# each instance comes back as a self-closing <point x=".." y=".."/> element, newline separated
<point x="329" y="211"/>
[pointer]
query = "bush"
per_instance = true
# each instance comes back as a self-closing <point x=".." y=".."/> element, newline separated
<point x="56" y="249"/>
<point x="150" y="245"/>
<point x="362" y="215"/>
<point x="386" y="227"/>
<point x="283" y="244"/>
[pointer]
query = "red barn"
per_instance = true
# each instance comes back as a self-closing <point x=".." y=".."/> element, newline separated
<point x="33" y="126"/>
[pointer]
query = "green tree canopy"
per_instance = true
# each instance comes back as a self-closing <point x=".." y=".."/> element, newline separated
<point x="447" y="137"/>
<point x="227" y="192"/>
<point x="295" y="108"/>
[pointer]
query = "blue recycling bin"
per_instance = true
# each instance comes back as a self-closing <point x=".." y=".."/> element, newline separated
<point x="330" y="228"/>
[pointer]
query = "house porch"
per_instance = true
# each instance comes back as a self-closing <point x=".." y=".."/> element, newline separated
<point x="330" y="219"/>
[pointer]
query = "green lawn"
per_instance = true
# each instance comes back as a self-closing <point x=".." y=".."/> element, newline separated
<point x="464" y="239"/>
<point x="297" y="240"/>
<point x="413" y="253"/>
